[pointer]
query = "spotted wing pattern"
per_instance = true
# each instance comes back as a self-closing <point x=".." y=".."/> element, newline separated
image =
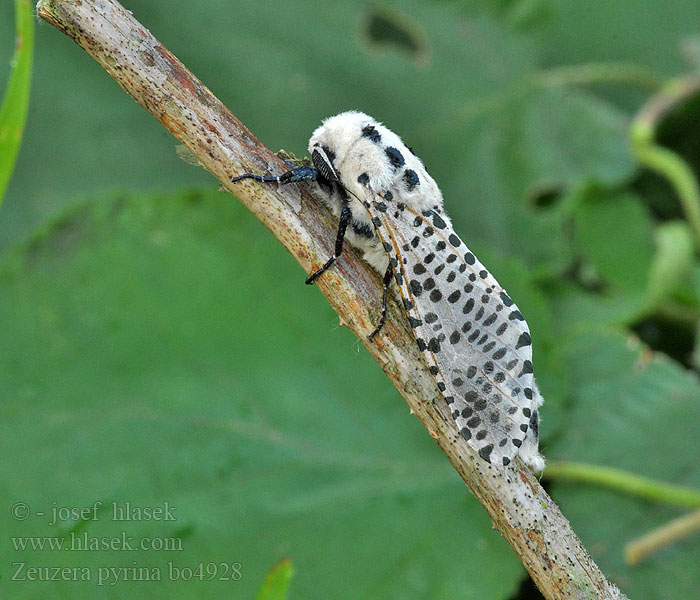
<point x="473" y="337"/>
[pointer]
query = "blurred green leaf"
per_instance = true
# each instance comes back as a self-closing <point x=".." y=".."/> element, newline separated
<point x="276" y="584"/>
<point x="166" y="349"/>
<point x="614" y="235"/>
<point x="628" y="403"/>
<point x="573" y="33"/>
<point x="673" y="260"/>
<point x="695" y="287"/>
<point x="15" y="104"/>
<point x="576" y="309"/>
<point x="613" y="232"/>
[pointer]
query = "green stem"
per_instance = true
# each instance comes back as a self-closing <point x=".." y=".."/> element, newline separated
<point x="680" y="176"/>
<point x="587" y="74"/>
<point x="624" y="481"/>
<point x="595" y="73"/>
<point x="662" y="160"/>
<point x="662" y="537"/>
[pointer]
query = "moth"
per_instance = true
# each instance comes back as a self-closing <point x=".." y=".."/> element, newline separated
<point x="471" y="334"/>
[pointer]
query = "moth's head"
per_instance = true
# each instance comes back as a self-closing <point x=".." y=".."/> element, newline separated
<point x="331" y="142"/>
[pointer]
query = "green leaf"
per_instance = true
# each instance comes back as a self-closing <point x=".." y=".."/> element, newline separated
<point x="578" y="310"/>
<point x="637" y="411"/>
<point x="613" y="232"/>
<point x="633" y="31"/>
<point x="15" y="104"/>
<point x="167" y="350"/>
<point x="276" y="583"/>
<point x="672" y="262"/>
<point x="614" y="236"/>
<point x="613" y="239"/>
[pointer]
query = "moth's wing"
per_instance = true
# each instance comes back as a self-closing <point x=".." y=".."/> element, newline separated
<point x="472" y="335"/>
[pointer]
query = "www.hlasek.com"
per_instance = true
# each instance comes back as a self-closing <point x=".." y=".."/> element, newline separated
<point x="101" y="576"/>
<point x="83" y="542"/>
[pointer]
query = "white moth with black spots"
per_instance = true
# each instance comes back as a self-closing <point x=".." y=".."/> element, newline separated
<point x="471" y="334"/>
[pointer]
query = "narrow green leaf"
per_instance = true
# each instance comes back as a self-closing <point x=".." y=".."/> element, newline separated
<point x="15" y="104"/>
<point x="276" y="583"/>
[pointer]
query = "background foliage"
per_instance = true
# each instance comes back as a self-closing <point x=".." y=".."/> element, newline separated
<point x="158" y="346"/>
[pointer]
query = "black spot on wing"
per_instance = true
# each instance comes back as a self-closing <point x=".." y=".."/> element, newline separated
<point x="485" y="452"/>
<point x="454" y="296"/>
<point x="499" y="354"/>
<point x="416" y="287"/>
<point x="439" y="222"/>
<point x="436" y="295"/>
<point x="523" y="340"/>
<point x="506" y="299"/>
<point x="527" y="368"/>
<point x="468" y="306"/>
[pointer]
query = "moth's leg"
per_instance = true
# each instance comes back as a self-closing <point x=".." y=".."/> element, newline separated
<point x="308" y="174"/>
<point x="345" y="217"/>
<point x="291" y="176"/>
<point x="386" y="282"/>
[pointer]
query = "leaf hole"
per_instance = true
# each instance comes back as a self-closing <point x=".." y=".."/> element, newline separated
<point x="385" y="28"/>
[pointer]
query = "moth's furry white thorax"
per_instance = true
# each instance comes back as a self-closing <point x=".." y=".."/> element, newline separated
<point x="361" y="150"/>
<point x="356" y="155"/>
